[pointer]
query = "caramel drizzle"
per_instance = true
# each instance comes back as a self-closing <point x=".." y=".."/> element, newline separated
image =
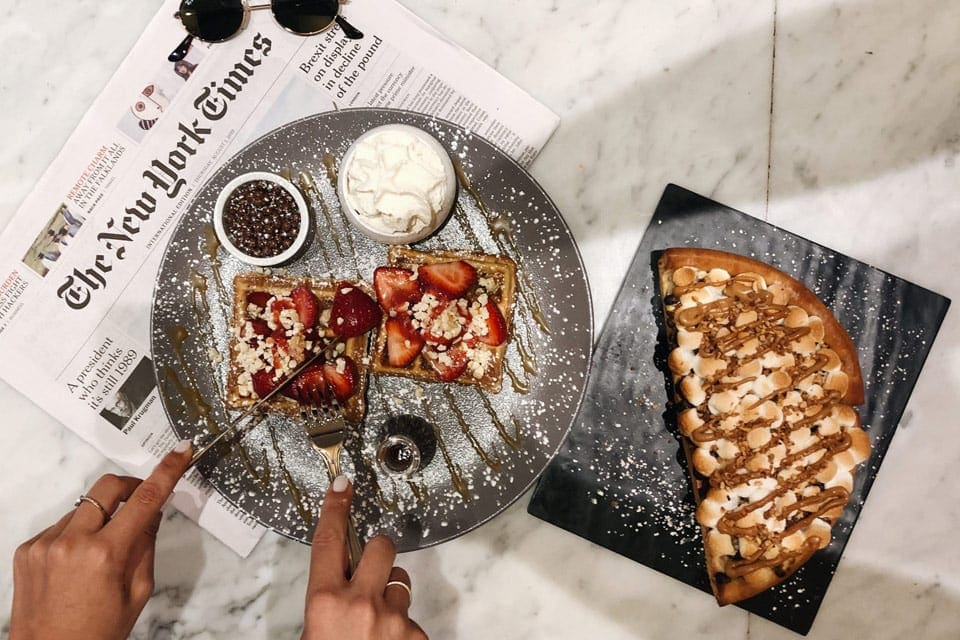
<point x="193" y="402"/>
<point x="527" y="359"/>
<point x="307" y="184"/>
<point x="388" y="505"/>
<point x="299" y="501"/>
<point x="383" y="395"/>
<point x="521" y="387"/>
<point x="492" y="463"/>
<point x="199" y="409"/>
<point x="201" y="310"/>
<point x="499" y="226"/>
<point x="203" y="322"/>
<point x="211" y="247"/>
<point x="261" y="474"/>
<point x="330" y="163"/>
<point x="771" y="336"/>
<point x="468" y="231"/>
<point x="419" y="490"/>
<point x="456" y="475"/>
<point x="526" y="354"/>
<point x="514" y="441"/>
<point x="190" y="391"/>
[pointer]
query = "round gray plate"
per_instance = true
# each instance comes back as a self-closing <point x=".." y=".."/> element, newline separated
<point x="275" y="475"/>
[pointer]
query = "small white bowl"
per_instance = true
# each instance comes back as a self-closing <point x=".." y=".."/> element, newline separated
<point x="450" y="187"/>
<point x="302" y="233"/>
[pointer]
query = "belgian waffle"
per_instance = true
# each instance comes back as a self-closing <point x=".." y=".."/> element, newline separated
<point x="240" y="396"/>
<point x="497" y="276"/>
<point x="765" y="381"/>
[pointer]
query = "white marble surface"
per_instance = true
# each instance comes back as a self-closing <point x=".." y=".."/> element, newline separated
<point x="853" y="143"/>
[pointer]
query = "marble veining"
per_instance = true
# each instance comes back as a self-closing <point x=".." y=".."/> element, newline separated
<point x="861" y="144"/>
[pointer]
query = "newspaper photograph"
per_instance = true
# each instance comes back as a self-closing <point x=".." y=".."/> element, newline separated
<point x="81" y="255"/>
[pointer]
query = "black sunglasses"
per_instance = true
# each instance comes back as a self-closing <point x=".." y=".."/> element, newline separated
<point x="219" y="20"/>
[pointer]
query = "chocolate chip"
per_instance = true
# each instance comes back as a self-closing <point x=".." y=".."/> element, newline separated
<point x="671" y="300"/>
<point x="261" y="219"/>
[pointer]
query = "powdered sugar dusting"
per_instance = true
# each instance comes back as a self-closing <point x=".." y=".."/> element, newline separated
<point x="479" y="471"/>
<point x="621" y="479"/>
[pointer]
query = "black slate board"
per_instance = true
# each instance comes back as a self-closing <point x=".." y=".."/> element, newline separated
<point x="621" y="481"/>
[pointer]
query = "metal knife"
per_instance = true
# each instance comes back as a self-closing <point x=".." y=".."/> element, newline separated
<point x="234" y="427"/>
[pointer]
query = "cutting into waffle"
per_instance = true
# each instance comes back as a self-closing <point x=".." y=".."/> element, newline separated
<point x="765" y="380"/>
<point x="447" y="316"/>
<point x="279" y="322"/>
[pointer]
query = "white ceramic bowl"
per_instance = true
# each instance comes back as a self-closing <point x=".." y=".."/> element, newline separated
<point x="450" y="187"/>
<point x="271" y="261"/>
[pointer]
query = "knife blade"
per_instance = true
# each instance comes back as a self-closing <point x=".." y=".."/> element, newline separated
<point x="233" y="427"/>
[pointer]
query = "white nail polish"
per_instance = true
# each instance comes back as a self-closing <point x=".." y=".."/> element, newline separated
<point x="183" y="446"/>
<point x="340" y="484"/>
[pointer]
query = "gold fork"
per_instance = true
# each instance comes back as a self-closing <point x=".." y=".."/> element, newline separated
<point x="325" y="425"/>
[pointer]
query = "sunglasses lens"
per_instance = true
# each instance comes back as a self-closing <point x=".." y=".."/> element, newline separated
<point x="305" y="16"/>
<point x="211" y="20"/>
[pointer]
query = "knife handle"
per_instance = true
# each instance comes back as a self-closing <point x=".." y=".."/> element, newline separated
<point x="354" y="547"/>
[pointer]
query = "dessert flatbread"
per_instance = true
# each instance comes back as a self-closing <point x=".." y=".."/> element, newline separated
<point x="765" y="380"/>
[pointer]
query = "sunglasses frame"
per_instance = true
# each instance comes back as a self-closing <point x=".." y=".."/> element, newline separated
<point x="247" y="8"/>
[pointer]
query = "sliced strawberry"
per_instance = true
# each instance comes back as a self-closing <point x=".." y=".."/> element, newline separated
<point x="281" y="349"/>
<point x="496" y="326"/>
<point x="403" y="343"/>
<point x="449" y="364"/>
<point x="469" y="339"/>
<point x="341" y="378"/>
<point x="354" y="312"/>
<point x="447" y="322"/>
<point x="259" y="298"/>
<point x="309" y="387"/>
<point x="395" y="287"/>
<point x="306" y="304"/>
<point x="260" y="328"/>
<point x="260" y="331"/>
<point x="279" y="305"/>
<point x="448" y="279"/>
<point x="263" y="383"/>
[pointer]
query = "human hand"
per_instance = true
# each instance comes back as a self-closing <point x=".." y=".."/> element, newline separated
<point x="89" y="575"/>
<point x="367" y="606"/>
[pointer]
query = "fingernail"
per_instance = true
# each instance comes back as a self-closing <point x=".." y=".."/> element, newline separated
<point x="340" y="484"/>
<point x="183" y="446"/>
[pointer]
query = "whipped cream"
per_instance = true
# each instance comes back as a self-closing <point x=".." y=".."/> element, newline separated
<point x="396" y="182"/>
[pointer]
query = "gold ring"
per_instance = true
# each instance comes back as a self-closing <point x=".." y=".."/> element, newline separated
<point x="85" y="498"/>
<point x="400" y="583"/>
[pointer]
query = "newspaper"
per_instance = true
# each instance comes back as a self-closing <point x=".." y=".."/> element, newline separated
<point x="80" y="257"/>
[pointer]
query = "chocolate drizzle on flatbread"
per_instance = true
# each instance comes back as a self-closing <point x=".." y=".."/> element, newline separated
<point x="765" y="377"/>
